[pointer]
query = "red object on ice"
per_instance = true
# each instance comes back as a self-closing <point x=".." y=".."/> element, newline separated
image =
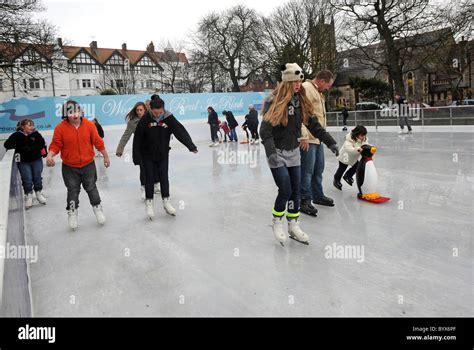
<point x="377" y="201"/>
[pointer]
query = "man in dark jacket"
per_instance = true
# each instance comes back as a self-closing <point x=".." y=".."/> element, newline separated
<point x="229" y="116"/>
<point x="402" y="112"/>
<point x="152" y="142"/>
<point x="213" y="121"/>
<point x="345" y="116"/>
<point x="251" y="121"/>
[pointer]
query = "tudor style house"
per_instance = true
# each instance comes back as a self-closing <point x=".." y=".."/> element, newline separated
<point x="60" y="70"/>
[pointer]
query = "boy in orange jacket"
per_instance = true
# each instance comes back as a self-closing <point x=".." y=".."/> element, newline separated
<point x="75" y="138"/>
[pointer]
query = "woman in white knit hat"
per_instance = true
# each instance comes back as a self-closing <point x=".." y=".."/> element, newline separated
<point x="285" y="111"/>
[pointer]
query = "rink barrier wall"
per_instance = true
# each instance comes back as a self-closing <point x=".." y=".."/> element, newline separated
<point x="15" y="287"/>
<point x="111" y="110"/>
<point x="439" y="116"/>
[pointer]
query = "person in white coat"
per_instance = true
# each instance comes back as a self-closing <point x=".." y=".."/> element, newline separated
<point x="349" y="156"/>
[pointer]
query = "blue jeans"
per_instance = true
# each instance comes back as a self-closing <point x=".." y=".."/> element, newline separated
<point x="312" y="167"/>
<point x="288" y="183"/>
<point x="31" y="175"/>
<point x="233" y="135"/>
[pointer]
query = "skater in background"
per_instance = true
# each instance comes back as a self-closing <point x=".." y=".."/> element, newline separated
<point x="251" y="121"/>
<point x="30" y="149"/>
<point x="152" y="144"/>
<point x="225" y="128"/>
<point x="349" y="156"/>
<point x="281" y="131"/>
<point x="100" y="131"/>
<point x="147" y="104"/>
<point x="229" y="116"/>
<point x="402" y="112"/>
<point x="213" y="121"/>
<point x="133" y="117"/>
<point x="75" y="138"/>
<point x="345" y="116"/>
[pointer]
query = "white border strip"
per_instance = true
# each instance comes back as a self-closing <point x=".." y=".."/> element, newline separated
<point x="5" y="180"/>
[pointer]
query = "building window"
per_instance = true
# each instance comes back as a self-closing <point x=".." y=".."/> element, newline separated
<point x="425" y="87"/>
<point x="119" y="83"/>
<point x="145" y="70"/>
<point x="84" y="68"/>
<point x="86" y="83"/>
<point x="83" y="63"/>
<point x="150" y="84"/>
<point x="115" y="69"/>
<point x="146" y="66"/>
<point x="1" y="84"/>
<point x="35" y="84"/>
<point x="42" y="68"/>
<point x="115" y="59"/>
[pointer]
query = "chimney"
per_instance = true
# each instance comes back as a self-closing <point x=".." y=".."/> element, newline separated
<point x="60" y="42"/>
<point x="124" y="47"/>
<point x="150" y="48"/>
<point x="93" y="46"/>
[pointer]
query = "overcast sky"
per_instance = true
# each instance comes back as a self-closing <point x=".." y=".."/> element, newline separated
<point x="135" y="22"/>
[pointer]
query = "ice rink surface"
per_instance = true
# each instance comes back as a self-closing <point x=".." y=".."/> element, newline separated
<point x="218" y="256"/>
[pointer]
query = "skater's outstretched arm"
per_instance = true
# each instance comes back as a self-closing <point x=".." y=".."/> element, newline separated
<point x="320" y="133"/>
<point x="180" y="132"/>
<point x="11" y="142"/>
<point x="125" y="137"/>
<point x="55" y="146"/>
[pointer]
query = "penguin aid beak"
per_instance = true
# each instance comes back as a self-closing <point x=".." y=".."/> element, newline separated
<point x="373" y="150"/>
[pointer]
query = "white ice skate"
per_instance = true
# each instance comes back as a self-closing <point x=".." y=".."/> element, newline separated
<point x="157" y="188"/>
<point x="99" y="214"/>
<point x="40" y="197"/>
<point x="149" y="209"/>
<point x="296" y="233"/>
<point x="278" y="230"/>
<point x="72" y="219"/>
<point x="168" y="207"/>
<point x="29" y="201"/>
<point x="257" y="142"/>
<point x="143" y="193"/>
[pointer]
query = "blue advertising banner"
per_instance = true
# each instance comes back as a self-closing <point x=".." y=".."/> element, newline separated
<point x="111" y="110"/>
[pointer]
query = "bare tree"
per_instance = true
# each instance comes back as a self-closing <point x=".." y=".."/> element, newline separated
<point x="233" y="41"/>
<point x="293" y="34"/>
<point x="397" y="36"/>
<point x="174" y="62"/>
<point x="20" y="31"/>
<point x="208" y="72"/>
